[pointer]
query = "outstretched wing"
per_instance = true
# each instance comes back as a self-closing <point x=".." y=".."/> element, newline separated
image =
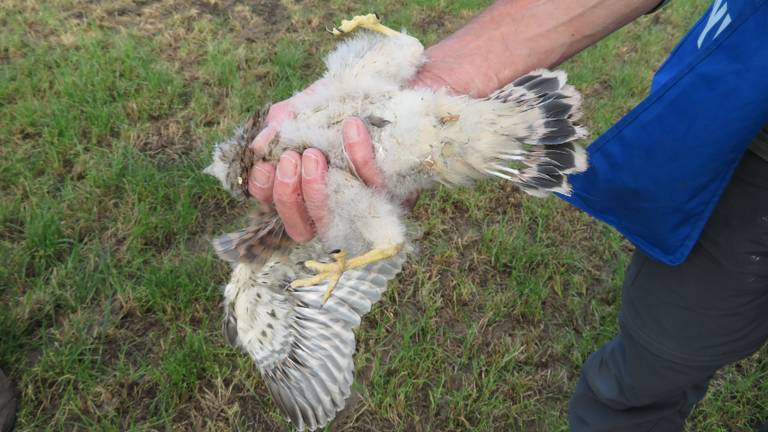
<point x="303" y="348"/>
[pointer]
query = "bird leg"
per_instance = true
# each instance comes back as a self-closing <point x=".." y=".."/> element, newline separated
<point x="332" y="272"/>
<point x="370" y="22"/>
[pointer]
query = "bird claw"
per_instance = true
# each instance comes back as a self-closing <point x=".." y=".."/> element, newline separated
<point x="370" y="22"/>
<point x="330" y="272"/>
<point x="333" y="271"/>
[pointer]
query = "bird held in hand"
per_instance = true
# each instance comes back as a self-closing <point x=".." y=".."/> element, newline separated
<point x="293" y="307"/>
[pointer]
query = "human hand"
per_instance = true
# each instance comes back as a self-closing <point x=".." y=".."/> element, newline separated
<point x="297" y="183"/>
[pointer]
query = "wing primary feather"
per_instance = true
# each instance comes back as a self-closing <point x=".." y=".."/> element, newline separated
<point x="306" y="358"/>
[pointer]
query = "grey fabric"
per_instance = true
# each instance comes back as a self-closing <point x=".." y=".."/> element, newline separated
<point x="7" y="403"/>
<point x="680" y="324"/>
<point x="760" y="145"/>
<point x="626" y="387"/>
<point x="713" y="308"/>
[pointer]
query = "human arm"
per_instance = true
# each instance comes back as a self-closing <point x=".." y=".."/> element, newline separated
<point x="513" y="37"/>
<point x="508" y="39"/>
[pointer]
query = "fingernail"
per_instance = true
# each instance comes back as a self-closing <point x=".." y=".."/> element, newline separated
<point x="261" y="177"/>
<point x="287" y="168"/>
<point x="310" y="166"/>
<point x="352" y="130"/>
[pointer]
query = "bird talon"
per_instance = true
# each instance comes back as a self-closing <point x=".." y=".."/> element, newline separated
<point x="370" y="22"/>
<point x="332" y="272"/>
<point x="320" y="267"/>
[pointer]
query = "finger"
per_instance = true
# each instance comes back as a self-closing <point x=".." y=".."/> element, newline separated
<point x="288" y="198"/>
<point x="260" y="181"/>
<point x="359" y="150"/>
<point x="280" y="112"/>
<point x="260" y="144"/>
<point x="313" y="186"/>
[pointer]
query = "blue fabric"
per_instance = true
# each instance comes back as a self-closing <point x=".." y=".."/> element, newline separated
<point x="657" y="174"/>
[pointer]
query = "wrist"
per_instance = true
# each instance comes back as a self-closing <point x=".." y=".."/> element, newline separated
<point x="451" y="67"/>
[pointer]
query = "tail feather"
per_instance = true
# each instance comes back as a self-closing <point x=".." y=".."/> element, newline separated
<point x="541" y="81"/>
<point x="556" y="108"/>
<point x="552" y="131"/>
<point x="540" y="113"/>
<point x="567" y="157"/>
<point x="523" y="133"/>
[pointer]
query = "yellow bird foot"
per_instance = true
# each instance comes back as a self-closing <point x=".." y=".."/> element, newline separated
<point x="370" y="22"/>
<point x="332" y="272"/>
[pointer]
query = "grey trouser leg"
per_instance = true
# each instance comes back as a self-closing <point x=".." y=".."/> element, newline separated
<point x="680" y="324"/>
<point x="7" y="403"/>
<point x="625" y="387"/>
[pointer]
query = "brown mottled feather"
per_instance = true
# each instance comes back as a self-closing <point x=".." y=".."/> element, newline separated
<point x="247" y="158"/>
<point x="264" y="237"/>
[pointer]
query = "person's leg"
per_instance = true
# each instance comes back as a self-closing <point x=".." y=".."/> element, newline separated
<point x="7" y="403"/>
<point x="625" y="387"/>
<point x="680" y="324"/>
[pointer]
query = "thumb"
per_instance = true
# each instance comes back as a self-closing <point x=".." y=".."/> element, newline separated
<point x="359" y="149"/>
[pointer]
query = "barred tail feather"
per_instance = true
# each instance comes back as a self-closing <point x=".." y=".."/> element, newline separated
<point x="542" y="153"/>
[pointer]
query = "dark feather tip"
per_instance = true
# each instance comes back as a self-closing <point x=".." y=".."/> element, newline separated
<point x="559" y="131"/>
<point x="543" y="85"/>
<point x="561" y="155"/>
<point x="376" y="121"/>
<point x="556" y="109"/>
<point x="229" y="328"/>
<point x="523" y="80"/>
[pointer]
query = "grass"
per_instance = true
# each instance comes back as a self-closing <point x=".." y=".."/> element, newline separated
<point x="110" y="292"/>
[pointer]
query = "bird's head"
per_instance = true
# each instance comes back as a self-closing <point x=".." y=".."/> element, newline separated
<point x="231" y="162"/>
<point x="233" y="158"/>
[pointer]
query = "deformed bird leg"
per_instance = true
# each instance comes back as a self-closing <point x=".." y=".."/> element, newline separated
<point x="332" y="272"/>
<point x="370" y="22"/>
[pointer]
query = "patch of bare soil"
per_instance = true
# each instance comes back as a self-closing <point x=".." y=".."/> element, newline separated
<point x="127" y="333"/>
<point x="174" y="19"/>
<point x="227" y="404"/>
<point x="166" y="139"/>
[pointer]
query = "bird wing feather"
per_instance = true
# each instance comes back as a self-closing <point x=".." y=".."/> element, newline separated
<point x="263" y="238"/>
<point x="304" y="348"/>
